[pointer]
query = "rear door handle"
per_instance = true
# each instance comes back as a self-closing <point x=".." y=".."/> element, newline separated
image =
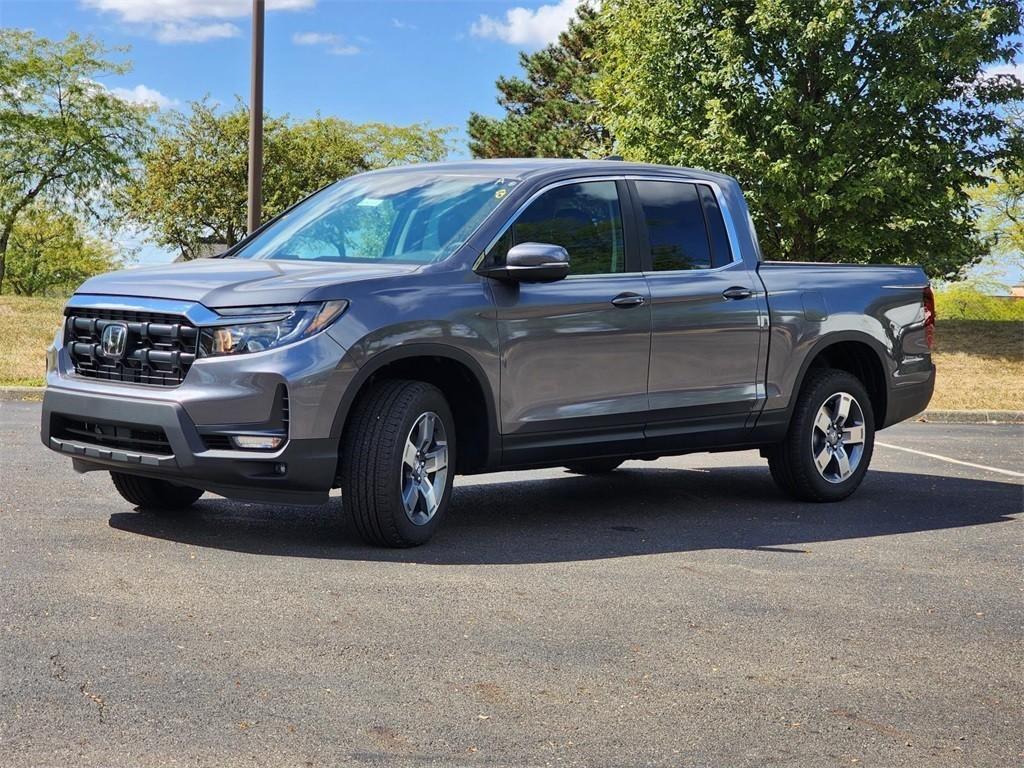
<point x="624" y="300"/>
<point x="737" y="292"/>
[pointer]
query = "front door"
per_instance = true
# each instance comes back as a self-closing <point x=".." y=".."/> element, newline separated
<point x="574" y="353"/>
<point x="706" y="315"/>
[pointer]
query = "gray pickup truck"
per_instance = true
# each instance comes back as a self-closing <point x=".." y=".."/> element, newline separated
<point x="403" y="326"/>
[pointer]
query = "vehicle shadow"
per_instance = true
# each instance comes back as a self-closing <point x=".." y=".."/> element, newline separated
<point x="630" y="512"/>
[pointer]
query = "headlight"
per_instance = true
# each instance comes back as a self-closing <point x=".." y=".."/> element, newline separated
<point x="255" y="329"/>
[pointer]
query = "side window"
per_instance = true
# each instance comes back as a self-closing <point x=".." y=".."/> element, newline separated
<point x="721" y="252"/>
<point x="583" y="218"/>
<point x="675" y="225"/>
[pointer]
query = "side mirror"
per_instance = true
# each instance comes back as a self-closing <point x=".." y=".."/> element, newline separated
<point x="532" y="263"/>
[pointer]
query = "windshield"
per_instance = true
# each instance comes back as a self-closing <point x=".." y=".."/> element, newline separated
<point x="412" y="218"/>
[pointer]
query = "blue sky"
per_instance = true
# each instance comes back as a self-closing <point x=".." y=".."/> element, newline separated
<point x="393" y="60"/>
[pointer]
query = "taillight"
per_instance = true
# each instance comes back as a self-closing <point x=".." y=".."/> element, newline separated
<point x="929" y="315"/>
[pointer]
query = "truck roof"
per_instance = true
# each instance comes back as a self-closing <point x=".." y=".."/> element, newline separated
<point x="523" y="168"/>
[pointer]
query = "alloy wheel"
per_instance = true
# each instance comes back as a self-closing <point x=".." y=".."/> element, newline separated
<point x="424" y="468"/>
<point x="837" y="439"/>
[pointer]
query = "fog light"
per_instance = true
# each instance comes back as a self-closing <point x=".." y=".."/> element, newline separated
<point x="256" y="442"/>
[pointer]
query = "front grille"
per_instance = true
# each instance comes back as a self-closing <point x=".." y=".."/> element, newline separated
<point x="159" y="348"/>
<point x="140" y="438"/>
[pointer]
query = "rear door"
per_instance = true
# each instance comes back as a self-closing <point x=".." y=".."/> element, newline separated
<point x="706" y="312"/>
<point x="574" y="353"/>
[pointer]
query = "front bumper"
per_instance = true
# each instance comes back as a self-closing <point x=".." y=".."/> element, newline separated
<point x="301" y="472"/>
<point x="218" y="396"/>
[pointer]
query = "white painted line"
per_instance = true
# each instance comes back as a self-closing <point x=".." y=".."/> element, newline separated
<point x="1009" y="472"/>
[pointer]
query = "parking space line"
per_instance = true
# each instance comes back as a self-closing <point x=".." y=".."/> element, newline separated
<point x="984" y="467"/>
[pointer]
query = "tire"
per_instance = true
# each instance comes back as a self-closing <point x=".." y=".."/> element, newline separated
<point x="383" y="484"/>
<point x="594" y="466"/>
<point x="154" y="495"/>
<point x="794" y="463"/>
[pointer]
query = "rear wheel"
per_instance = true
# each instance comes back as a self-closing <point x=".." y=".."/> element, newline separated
<point x="154" y="495"/>
<point x="828" y="448"/>
<point x="397" y="463"/>
<point x="594" y="466"/>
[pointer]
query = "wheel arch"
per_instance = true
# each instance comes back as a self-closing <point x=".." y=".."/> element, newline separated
<point x="858" y="354"/>
<point x="462" y="380"/>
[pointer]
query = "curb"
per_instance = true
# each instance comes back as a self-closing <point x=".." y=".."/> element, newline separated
<point x="31" y="394"/>
<point x="35" y="394"/>
<point x="972" y="417"/>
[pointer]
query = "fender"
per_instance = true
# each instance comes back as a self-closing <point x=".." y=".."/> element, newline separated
<point x="781" y="417"/>
<point x="422" y="349"/>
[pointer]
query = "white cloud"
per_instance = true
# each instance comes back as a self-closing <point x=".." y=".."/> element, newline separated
<point x="333" y="43"/>
<point x="142" y="94"/>
<point x="188" y="32"/>
<point x="399" y="24"/>
<point x="1017" y="70"/>
<point x="313" y="38"/>
<point x="187" y="21"/>
<point x="526" y="26"/>
<point x="138" y="11"/>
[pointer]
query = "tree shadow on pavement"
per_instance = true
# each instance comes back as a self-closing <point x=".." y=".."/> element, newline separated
<point x="630" y="512"/>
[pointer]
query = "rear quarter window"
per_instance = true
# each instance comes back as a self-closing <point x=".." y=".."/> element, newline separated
<point x="676" y="232"/>
<point x="721" y="251"/>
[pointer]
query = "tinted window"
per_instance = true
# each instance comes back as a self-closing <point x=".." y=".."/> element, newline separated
<point x="721" y="253"/>
<point x="675" y="225"/>
<point x="582" y="218"/>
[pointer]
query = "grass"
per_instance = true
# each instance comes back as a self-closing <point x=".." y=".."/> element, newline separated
<point x="27" y="327"/>
<point x="980" y="365"/>
<point x="980" y="362"/>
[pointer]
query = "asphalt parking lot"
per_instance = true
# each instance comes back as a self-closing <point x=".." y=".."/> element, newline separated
<point x="675" y="613"/>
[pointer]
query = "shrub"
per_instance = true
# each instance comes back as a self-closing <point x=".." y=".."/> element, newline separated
<point x="51" y="253"/>
<point x="968" y="303"/>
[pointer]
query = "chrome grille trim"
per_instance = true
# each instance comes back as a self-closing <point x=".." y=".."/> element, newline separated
<point x="160" y="347"/>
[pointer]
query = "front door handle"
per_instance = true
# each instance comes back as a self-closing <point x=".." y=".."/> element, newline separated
<point x="624" y="300"/>
<point x="737" y="292"/>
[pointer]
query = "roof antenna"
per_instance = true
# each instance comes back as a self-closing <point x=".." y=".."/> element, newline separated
<point x="612" y="157"/>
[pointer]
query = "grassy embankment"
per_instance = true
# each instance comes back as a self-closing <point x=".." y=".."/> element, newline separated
<point x="981" y="362"/>
<point x="27" y="327"/>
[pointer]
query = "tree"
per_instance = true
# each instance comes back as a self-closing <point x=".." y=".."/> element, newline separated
<point x="191" y="187"/>
<point x="551" y="112"/>
<point x="48" y="250"/>
<point x="63" y="136"/>
<point x="858" y="128"/>
<point x="1002" y="208"/>
<point x="1001" y="220"/>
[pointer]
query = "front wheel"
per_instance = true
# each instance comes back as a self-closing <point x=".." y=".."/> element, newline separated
<point x="152" y="495"/>
<point x="397" y="463"/>
<point x="828" y="448"/>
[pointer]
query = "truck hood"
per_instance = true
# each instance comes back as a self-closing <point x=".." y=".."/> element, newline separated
<point x="240" y="282"/>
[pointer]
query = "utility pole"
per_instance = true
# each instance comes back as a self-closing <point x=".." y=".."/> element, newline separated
<point x="256" y="119"/>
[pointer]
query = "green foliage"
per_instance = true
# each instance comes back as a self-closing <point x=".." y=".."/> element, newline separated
<point x="49" y="252"/>
<point x="1002" y="202"/>
<point x="191" y="188"/>
<point x="63" y="137"/>
<point x="857" y="127"/>
<point x="966" y="302"/>
<point x="1002" y="210"/>
<point x="551" y="112"/>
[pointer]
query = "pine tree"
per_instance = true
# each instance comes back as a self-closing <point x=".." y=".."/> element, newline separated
<point x="550" y="111"/>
